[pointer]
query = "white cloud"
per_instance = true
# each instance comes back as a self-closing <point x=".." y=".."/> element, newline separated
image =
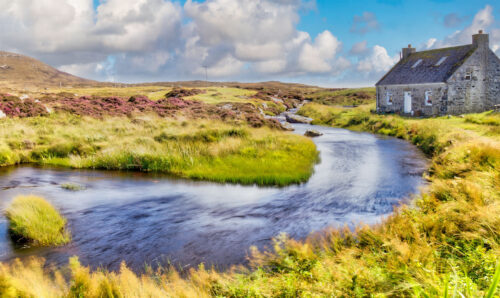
<point x="483" y="20"/>
<point x="147" y="39"/>
<point x="71" y="35"/>
<point x="365" y="23"/>
<point x="359" y="48"/>
<point x="317" y="57"/>
<point x="377" y="61"/>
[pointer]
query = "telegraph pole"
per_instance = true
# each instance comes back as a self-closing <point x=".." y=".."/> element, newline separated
<point x="206" y="74"/>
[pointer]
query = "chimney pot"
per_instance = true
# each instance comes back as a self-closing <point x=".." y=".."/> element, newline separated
<point x="481" y="40"/>
<point x="407" y="51"/>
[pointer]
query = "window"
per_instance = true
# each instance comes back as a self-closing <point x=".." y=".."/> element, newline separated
<point x="388" y="98"/>
<point x="441" y="61"/>
<point x="417" y="63"/>
<point x="428" y="98"/>
<point x="468" y="75"/>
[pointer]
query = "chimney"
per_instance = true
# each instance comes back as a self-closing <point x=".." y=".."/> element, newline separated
<point x="407" y="51"/>
<point x="481" y="40"/>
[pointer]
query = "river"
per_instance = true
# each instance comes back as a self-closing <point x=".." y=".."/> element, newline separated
<point x="154" y="219"/>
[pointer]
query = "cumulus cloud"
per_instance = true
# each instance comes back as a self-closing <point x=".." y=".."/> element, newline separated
<point x="359" y="48"/>
<point x="377" y="61"/>
<point x="260" y="34"/>
<point x="483" y="20"/>
<point x="365" y="23"/>
<point x="138" y="40"/>
<point x="453" y="20"/>
<point x="73" y="36"/>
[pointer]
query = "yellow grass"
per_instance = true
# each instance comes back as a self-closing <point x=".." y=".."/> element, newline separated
<point x="34" y="220"/>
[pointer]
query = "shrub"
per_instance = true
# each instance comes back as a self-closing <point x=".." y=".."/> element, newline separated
<point x="36" y="221"/>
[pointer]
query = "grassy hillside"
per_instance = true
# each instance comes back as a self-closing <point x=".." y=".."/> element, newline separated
<point x="447" y="243"/>
<point x="19" y="71"/>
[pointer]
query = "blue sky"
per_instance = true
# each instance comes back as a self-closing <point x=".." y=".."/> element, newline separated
<point x="328" y="43"/>
<point x="401" y="22"/>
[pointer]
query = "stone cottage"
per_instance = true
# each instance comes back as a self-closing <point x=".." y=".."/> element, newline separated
<point x="456" y="80"/>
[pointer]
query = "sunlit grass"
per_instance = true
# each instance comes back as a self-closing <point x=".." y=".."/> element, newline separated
<point x="36" y="221"/>
<point x="215" y="95"/>
<point x="153" y="92"/>
<point x="343" y="97"/>
<point x="202" y="149"/>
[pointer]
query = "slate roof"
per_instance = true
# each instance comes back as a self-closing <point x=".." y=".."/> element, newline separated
<point x="426" y="71"/>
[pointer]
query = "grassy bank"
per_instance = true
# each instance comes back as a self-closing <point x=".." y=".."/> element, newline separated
<point x="446" y="244"/>
<point x="201" y="149"/>
<point x="343" y="97"/>
<point x="35" y="221"/>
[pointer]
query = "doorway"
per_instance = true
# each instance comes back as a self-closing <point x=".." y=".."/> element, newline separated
<point x="407" y="102"/>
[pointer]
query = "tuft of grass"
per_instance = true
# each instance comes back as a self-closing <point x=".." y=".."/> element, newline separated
<point x="72" y="186"/>
<point x="494" y="283"/>
<point x="36" y="221"/>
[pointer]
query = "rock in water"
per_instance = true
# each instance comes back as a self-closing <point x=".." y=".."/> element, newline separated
<point x="287" y="126"/>
<point x="292" y="118"/>
<point x="313" y="133"/>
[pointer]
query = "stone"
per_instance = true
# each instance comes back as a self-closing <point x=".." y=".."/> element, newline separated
<point x="28" y="144"/>
<point x="293" y="118"/>
<point x="313" y="133"/>
<point x="287" y="126"/>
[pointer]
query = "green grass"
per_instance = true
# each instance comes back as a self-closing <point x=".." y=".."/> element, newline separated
<point x="72" y="186"/>
<point x="36" y="221"/>
<point x="153" y="92"/>
<point x="202" y="149"/>
<point x="215" y="95"/>
<point x="343" y="97"/>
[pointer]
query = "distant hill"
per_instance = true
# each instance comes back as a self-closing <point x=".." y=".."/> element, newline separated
<point x="22" y="71"/>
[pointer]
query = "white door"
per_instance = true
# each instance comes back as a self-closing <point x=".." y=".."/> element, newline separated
<point x="407" y="107"/>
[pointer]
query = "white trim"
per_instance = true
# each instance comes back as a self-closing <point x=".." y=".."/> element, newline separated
<point x="428" y="97"/>
<point x="388" y="98"/>
<point x="417" y="63"/>
<point x="441" y="60"/>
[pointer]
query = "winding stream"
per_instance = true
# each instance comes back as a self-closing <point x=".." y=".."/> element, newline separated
<point x="150" y="219"/>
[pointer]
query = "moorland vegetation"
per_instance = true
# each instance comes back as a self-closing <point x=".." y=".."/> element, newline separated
<point x="446" y="243"/>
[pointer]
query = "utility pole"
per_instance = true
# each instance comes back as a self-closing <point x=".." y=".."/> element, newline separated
<point x="206" y="74"/>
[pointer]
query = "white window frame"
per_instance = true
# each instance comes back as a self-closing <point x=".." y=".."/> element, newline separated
<point x="428" y="98"/>
<point x="441" y="60"/>
<point x="417" y="63"/>
<point x="388" y="98"/>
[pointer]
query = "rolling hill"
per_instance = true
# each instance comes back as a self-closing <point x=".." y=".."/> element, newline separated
<point x="25" y="72"/>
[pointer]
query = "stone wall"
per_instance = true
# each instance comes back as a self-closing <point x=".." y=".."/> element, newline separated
<point x="493" y="81"/>
<point x="467" y="86"/>
<point x="419" y="107"/>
